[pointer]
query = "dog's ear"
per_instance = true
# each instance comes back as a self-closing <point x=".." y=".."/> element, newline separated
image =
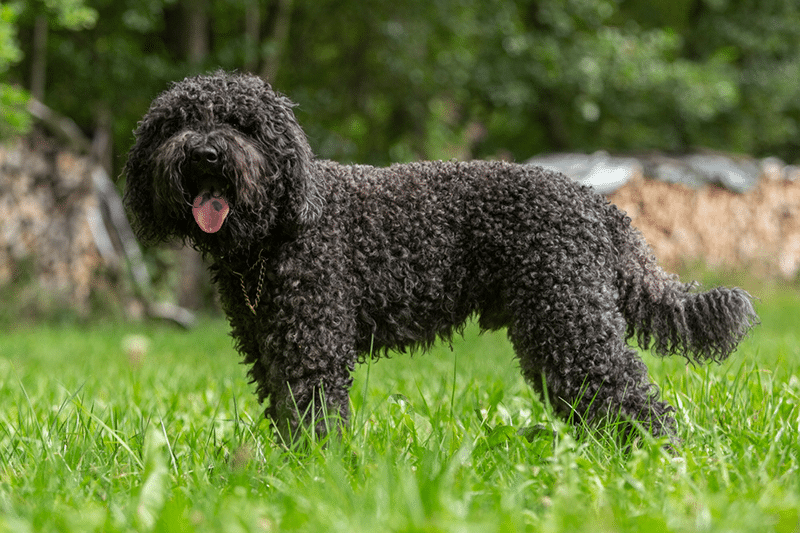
<point x="151" y="200"/>
<point x="139" y="196"/>
<point x="304" y="194"/>
<point x="301" y="180"/>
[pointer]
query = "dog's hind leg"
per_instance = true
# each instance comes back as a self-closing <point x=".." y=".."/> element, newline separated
<point x="571" y="341"/>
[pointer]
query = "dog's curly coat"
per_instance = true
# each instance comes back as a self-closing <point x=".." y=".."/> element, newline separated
<point x="320" y="264"/>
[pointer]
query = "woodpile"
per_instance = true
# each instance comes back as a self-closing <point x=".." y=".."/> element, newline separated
<point x="48" y="208"/>
<point x="720" y="210"/>
<point x="64" y="236"/>
<point x="758" y="231"/>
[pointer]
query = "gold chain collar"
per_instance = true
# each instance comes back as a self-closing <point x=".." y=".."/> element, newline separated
<point x="262" y="268"/>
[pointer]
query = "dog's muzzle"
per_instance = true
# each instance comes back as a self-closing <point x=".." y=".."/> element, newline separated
<point x="210" y="207"/>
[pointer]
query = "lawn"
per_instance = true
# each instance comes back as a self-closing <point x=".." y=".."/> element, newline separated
<point x="132" y="427"/>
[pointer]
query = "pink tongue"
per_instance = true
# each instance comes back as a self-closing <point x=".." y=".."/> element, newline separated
<point x="209" y="210"/>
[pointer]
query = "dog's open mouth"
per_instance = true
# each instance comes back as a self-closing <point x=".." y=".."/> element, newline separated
<point x="210" y="209"/>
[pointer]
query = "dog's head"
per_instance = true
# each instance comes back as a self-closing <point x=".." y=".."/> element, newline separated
<point x="219" y="159"/>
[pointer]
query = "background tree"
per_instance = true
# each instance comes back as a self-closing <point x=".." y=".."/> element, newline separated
<point x="393" y="81"/>
<point x="378" y="81"/>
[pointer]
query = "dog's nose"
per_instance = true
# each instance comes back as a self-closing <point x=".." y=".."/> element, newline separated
<point x="205" y="154"/>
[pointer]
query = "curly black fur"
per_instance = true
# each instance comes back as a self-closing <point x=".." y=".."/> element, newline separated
<point x="347" y="259"/>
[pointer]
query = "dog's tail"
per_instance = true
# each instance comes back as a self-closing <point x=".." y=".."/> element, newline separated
<point x="675" y="319"/>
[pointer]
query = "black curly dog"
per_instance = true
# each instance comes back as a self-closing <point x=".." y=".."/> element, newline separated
<point x="320" y="265"/>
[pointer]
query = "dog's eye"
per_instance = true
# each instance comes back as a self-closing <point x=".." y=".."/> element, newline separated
<point x="236" y="124"/>
<point x="248" y="129"/>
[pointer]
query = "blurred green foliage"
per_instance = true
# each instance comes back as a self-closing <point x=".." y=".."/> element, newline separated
<point x="13" y="116"/>
<point x="380" y="81"/>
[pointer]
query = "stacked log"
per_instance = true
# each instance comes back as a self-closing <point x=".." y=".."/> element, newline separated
<point x="47" y="208"/>
<point x="758" y="231"/>
<point x="719" y="210"/>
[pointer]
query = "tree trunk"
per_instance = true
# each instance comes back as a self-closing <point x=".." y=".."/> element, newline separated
<point x="193" y="275"/>
<point x="197" y="25"/>
<point x="279" y="38"/>
<point x="252" y="31"/>
<point x="39" y="59"/>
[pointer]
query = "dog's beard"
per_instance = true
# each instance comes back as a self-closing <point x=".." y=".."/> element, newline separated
<point x="208" y="195"/>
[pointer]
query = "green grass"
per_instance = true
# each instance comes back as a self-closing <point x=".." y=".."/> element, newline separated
<point x="97" y="436"/>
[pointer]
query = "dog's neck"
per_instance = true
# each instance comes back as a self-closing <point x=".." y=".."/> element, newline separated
<point x="251" y="274"/>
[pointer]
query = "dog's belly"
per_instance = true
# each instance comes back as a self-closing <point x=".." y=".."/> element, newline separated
<point x="415" y="309"/>
<point x="403" y="307"/>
